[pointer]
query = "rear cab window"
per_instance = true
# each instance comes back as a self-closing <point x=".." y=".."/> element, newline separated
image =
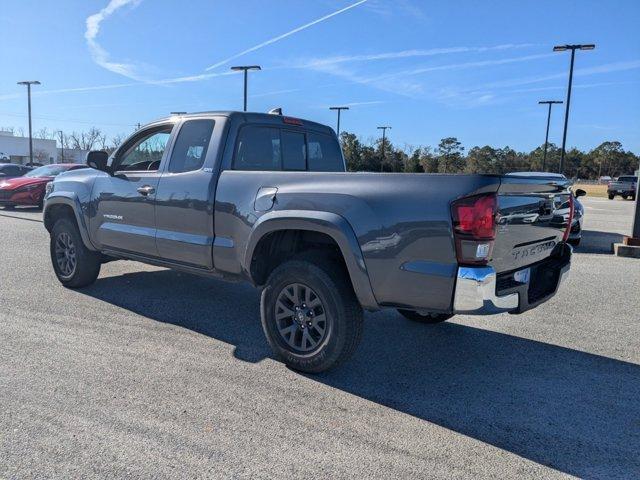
<point x="272" y="148"/>
<point x="191" y="146"/>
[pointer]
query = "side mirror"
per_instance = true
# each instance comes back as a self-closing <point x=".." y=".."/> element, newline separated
<point x="580" y="193"/>
<point x="97" y="159"/>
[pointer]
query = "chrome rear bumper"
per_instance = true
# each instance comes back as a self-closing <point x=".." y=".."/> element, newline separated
<point x="476" y="292"/>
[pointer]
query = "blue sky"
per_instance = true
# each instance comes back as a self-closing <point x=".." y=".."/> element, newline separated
<point x="474" y="70"/>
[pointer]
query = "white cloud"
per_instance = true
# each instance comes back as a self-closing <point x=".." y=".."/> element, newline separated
<point x="285" y="35"/>
<point x="399" y="82"/>
<point x="99" y="54"/>
<point x="318" y="62"/>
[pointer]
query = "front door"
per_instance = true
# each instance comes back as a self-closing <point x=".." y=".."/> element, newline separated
<point x="124" y="201"/>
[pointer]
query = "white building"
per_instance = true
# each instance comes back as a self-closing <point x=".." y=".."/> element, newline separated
<point x="72" y="155"/>
<point x="16" y="149"/>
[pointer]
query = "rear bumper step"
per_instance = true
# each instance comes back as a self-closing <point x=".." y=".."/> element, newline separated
<point x="480" y="291"/>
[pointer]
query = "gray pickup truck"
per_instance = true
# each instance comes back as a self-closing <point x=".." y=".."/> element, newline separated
<point x="625" y="186"/>
<point x="266" y="199"/>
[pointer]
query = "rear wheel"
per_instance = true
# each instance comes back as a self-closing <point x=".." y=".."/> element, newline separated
<point x="429" y="317"/>
<point x="310" y="315"/>
<point x="625" y="197"/>
<point x="74" y="264"/>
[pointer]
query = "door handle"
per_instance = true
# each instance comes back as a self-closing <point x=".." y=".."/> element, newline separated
<point x="146" y="190"/>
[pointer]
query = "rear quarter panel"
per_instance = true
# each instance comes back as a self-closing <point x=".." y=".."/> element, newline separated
<point x="402" y="223"/>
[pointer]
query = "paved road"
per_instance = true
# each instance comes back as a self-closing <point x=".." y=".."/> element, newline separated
<point x="155" y="374"/>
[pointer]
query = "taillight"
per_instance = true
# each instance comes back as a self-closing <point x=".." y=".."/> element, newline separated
<point x="474" y="228"/>
<point x="570" y="221"/>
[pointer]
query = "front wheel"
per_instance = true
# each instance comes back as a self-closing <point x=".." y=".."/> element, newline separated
<point x="429" y="317"/>
<point x="310" y="315"/>
<point x="74" y="264"/>
<point x="611" y="196"/>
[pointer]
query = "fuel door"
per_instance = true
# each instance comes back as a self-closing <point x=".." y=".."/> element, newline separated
<point x="265" y="198"/>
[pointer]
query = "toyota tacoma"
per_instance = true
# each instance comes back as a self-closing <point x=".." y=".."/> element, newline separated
<point x="266" y="199"/>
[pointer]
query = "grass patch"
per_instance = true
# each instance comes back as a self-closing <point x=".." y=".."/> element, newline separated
<point x="592" y="190"/>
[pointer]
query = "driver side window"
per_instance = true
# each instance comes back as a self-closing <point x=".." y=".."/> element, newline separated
<point x="145" y="152"/>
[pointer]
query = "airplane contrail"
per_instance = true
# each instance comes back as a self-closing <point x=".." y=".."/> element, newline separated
<point x="285" y="35"/>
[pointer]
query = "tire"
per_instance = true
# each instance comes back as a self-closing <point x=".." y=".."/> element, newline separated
<point x="9" y="207"/>
<point x="574" y="241"/>
<point x="426" y="318"/>
<point x="611" y="196"/>
<point x="324" y="285"/>
<point x="74" y="264"/>
<point x="624" y="197"/>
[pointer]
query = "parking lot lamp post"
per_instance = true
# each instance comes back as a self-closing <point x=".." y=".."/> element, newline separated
<point x="635" y="232"/>
<point x="28" y="83"/>
<point x="61" y="146"/>
<point x="573" y="48"/>
<point x="546" y="138"/>
<point x="339" y="109"/>
<point x="245" y="69"/>
<point x="384" y="131"/>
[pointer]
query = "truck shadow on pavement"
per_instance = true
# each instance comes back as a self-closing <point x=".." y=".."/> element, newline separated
<point x="597" y="242"/>
<point x="573" y="411"/>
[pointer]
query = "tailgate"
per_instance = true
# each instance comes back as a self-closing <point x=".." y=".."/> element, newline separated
<point x="532" y="218"/>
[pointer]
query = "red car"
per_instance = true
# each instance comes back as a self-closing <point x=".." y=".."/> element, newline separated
<point x="29" y="189"/>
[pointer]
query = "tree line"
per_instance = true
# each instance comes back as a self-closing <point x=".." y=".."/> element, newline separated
<point x="91" y="139"/>
<point x="607" y="159"/>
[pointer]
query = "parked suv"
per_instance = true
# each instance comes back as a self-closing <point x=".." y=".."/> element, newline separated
<point x="266" y="199"/>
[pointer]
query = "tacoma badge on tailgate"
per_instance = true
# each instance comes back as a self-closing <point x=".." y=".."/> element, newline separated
<point x="532" y="250"/>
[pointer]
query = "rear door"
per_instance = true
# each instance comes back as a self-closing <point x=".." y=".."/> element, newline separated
<point x="125" y="201"/>
<point x="184" y="200"/>
<point x="533" y="214"/>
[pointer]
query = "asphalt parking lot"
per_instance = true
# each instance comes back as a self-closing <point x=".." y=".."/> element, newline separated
<point x="155" y="374"/>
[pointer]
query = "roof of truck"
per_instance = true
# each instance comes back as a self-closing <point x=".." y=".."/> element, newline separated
<point x="257" y="117"/>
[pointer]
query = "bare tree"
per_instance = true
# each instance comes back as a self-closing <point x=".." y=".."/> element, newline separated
<point x="44" y="133"/>
<point x="116" y="141"/>
<point x="87" y="140"/>
<point x="41" y="156"/>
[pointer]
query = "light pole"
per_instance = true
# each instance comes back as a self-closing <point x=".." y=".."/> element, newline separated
<point x="61" y="146"/>
<point x="546" y="138"/>
<point x="384" y="131"/>
<point x="28" y="83"/>
<point x="339" y="109"/>
<point x="245" y="69"/>
<point x="635" y="231"/>
<point x="573" y="48"/>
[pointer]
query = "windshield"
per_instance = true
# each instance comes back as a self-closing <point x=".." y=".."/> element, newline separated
<point x="47" y="171"/>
